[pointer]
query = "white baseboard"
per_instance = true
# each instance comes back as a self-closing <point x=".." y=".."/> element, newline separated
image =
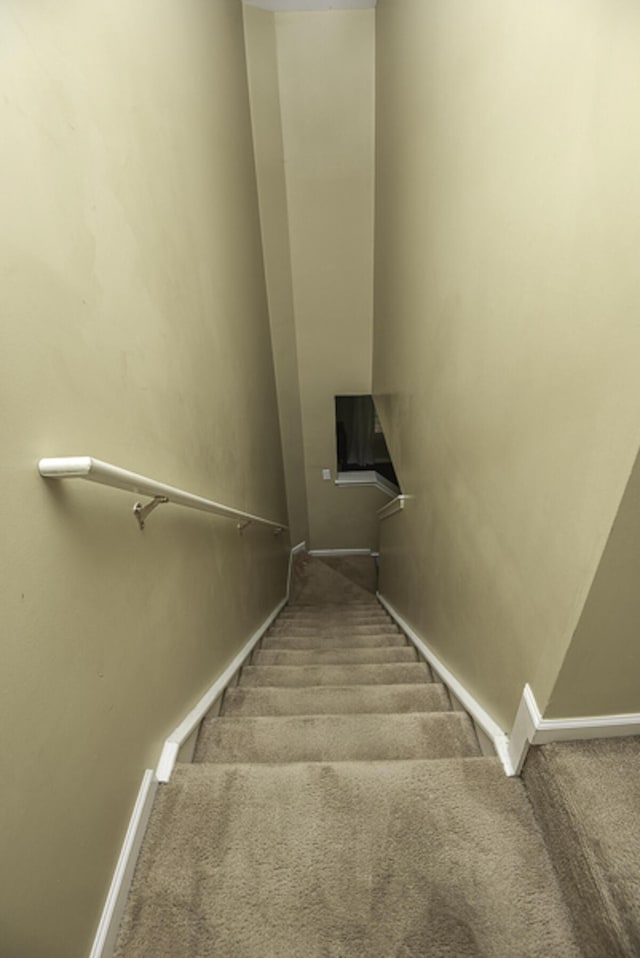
<point x="319" y="553"/>
<point x="113" y="910"/>
<point x="105" y="940"/>
<point x="301" y="547"/>
<point x="479" y="715"/>
<point x="369" y="478"/>
<point x="530" y="728"/>
<point x="174" y="742"/>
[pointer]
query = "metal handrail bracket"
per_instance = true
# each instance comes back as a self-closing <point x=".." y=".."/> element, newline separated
<point x="94" y="470"/>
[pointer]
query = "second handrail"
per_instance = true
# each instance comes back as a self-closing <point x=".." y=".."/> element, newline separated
<point x="396" y="505"/>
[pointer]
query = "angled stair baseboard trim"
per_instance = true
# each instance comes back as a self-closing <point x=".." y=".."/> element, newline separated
<point x="179" y="736"/>
<point x="109" y="925"/>
<point x="301" y="547"/>
<point x="105" y="941"/>
<point x="479" y="715"/>
<point x="189" y="724"/>
<point x="320" y="553"/>
<point x="530" y="728"/>
<point x="181" y="733"/>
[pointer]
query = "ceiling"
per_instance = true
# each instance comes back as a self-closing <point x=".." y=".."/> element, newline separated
<point x="278" y="5"/>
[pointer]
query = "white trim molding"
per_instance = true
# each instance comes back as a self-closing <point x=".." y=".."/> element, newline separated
<point x="105" y="940"/>
<point x="189" y="724"/>
<point x="301" y="547"/>
<point x="181" y="733"/>
<point x="367" y="477"/>
<point x="479" y="715"/>
<point x="320" y="553"/>
<point x="396" y="505"/>
<point x="530" y="728"/>
<point x="106" y="935"/>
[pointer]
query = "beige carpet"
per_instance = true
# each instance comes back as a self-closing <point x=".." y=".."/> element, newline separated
<point x="313" y="581"/>
<point x="350" y="860"/>
<point x="587" y="798"/>
<point x="337" y="700"/>
<point x="359" y="569"/>
<point x="336" y="738"/>
<point x="339" y="808"/>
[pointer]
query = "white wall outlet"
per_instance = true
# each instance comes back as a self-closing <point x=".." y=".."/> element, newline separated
<point x="326" y="474"/>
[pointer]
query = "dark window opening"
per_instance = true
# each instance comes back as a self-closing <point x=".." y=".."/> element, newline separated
<point x="360" y="441"/>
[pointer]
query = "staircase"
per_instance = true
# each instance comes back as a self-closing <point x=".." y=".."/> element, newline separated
<point x="338" y="807"/>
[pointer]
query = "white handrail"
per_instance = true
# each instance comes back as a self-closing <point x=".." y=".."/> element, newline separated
<point x="396" y="505"/>
<point x="84" y="467"/>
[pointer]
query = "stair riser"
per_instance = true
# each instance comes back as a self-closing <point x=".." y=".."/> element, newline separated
<point x="328" y="623"/>
<point x="346" y="700"/>
<point x="292" y="676"/>
<point x="348" y="610"/>
<point x="355" y="619"/>
<point x="351" y="605"/>
<point x="338" y="738"/>
<point x="327" y="629"/>
<point x="384" y="656"/>
<point x="334" y="641"/>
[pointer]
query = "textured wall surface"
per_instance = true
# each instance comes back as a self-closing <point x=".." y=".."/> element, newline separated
<point x="599" y="675"/>
<point x="314" y="133"/>
<point x="506" y="338"/>
<point x="266" y="117"/>
<point x="134" y="329"/>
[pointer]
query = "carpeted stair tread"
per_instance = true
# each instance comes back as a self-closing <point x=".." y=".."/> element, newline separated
<point x="400" y="653"/>
<point x="344" y="614"/>
<point x="586" y="796"/>
<point x="337" y="738"/>
<point x="330" y="622"/>
<point x="336" y="700"/>
<point x="323" y="607"/>
<point x="335" y="611"/>
<point x="418" y="859"/>
<point x="302" y="675"/>
<point x="326" y="628"/>
<point x="365" y="612"/>
<point x="396" y="640"/>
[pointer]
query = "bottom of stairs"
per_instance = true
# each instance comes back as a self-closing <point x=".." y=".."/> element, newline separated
<point x="339" y="807"/>
<point x="437" y="858"/>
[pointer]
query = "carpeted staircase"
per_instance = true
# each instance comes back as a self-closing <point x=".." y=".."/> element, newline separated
<point x="338" y="807"/>
<point x="586" y="796"/>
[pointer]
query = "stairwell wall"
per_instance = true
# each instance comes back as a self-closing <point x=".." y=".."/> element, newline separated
<point x="599" y="675"/>
<point x="266" y="119"/>
<point x="506" y="339"/>
<point x="323" y="108"/>
<point x="135" y="329"/>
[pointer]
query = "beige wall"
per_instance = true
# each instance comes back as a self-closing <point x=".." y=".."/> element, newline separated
<point x="266" y="116"/>
<point x="506" y="333"/>
<point x="134" y="328"/>
<point x="600" y="673"/>
<point x="325" y="66"/>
